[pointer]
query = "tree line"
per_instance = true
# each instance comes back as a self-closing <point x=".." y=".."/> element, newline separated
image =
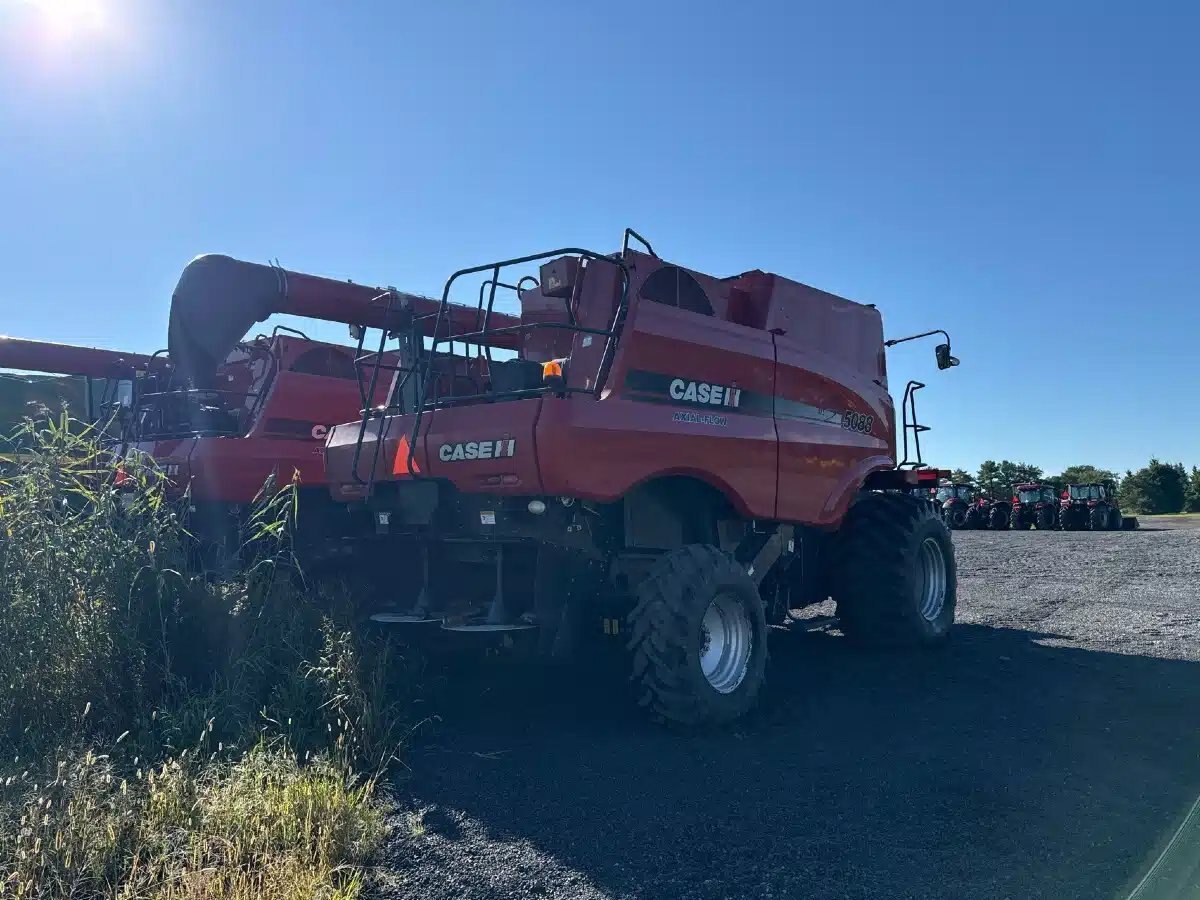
<point x="1156" y="488"/>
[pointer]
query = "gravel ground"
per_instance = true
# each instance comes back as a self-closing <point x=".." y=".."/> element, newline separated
<point x="1048" y="751"/>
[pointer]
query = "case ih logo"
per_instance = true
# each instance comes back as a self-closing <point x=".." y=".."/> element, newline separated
<point x="477" y="450"/>
<point x="705" y="394"/>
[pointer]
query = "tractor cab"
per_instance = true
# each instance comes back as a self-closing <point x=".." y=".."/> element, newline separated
<point x="964" y="492"/>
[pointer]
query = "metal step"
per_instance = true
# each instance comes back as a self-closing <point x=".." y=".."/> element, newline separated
<point x="389" y="618"/>
<point x="487" y="626"/>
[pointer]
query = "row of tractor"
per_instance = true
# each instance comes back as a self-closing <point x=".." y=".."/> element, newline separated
<point x="1079" y="507"/>
<point x="634" y="455"/>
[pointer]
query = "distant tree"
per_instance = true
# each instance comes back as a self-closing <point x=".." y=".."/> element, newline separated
<point x="997" y="478"/>
<point x="961" y="476"/>
<point x="1082" y="475"/>
<point x="1158" y="488"/>
<point x="1192" y="500"/>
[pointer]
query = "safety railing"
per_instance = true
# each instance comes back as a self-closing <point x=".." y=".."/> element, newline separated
<point x="908" y="409"/>
<point x="414" y="372"/>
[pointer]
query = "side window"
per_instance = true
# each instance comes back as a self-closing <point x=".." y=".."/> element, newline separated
<point x="325" y="361"/>
<point x="672" y="286"/>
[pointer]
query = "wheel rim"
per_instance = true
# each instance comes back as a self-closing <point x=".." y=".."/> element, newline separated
<point x="726" y="643"/>
<point x="932" y="582"/>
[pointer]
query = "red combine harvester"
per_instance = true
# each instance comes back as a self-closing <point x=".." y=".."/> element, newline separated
<point x="669" y="459"/>
<point x="229" y="413"/>
<point x="109" y="375"/>
<point x="1034" y="505"/>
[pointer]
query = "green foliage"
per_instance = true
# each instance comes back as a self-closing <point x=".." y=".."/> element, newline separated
<point x="165" y="732"/>
<point x="996" y="479"/>
<point x="1192" y="502"/>
<point x="1082" y="475"/>
<point x="961" y="476"/>
<point x="1158" y="488"/>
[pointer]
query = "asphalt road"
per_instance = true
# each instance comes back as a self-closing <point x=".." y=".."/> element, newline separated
<point x="1050" y="750"/>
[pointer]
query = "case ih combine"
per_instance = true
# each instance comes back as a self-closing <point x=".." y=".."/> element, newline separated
<point x="228" y="413"/>
<point x="1034" y="505"/>
<point x="669" y="459"/>
<point x="1093" y="506"/>
<point x="109" y="375"/>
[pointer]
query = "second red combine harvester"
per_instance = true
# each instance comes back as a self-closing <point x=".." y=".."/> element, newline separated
<point x="228" y="413"/>
<point x="668" y="459"/>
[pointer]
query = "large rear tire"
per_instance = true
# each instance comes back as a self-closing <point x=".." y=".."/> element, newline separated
<point x="893" y="572"/>
<point x="698" y="638"/>
<point x="1044" y="518"/>
<point x="1067" y="518"/>
<point x="998" y="517"/>
<point x="1114" y="519"/>
<point x="956" y="516"/>
<point x="1017" y="520"/>
<point x="1098" y="518"/>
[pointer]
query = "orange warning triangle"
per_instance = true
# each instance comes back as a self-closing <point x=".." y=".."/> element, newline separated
<point x="400" y="465"/>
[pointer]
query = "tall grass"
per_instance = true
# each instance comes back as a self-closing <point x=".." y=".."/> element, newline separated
<point x="167" y="733"/>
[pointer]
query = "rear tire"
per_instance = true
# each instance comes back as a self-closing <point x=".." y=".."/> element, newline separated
<point x="1067" y="518"/>
<point x="1098" y="518"/>
<point x="894" y="576"/>
<point x="956" y="516"/>
<point x="699" y="638"/>
<point x="1017" y="520"/>
<point x="998" y="518"/>
<point x="1045" y="518"/>
<point x="1114" y="519"/>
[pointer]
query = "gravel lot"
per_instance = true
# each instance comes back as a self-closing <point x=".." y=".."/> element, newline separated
<point x="1049" y="751"/>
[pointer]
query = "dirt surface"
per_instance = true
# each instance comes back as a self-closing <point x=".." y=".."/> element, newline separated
<point x="1049" y="750"/>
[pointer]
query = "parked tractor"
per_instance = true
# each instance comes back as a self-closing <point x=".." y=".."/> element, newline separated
<point x="1034" y="505"/>
<point x="668" y="462"/>
<point x="959" y="505"/>
<point x="994" y="513"/>
<point x="1093" y="506"/>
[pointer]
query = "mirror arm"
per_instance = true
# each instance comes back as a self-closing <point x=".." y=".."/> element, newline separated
<point x="894" y="341"/>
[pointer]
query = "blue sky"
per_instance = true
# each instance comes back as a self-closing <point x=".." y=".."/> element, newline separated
<point x="1022" y="174"/>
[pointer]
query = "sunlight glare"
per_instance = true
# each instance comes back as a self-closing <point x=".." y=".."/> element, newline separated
<point x="68" y="20"/>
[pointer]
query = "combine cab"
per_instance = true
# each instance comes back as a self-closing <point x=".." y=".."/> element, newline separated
<point x="958" y="505"/>
<point x="1034" y="505"/>
<point x="1093" y="506"/>
<point x="667" y="462"/>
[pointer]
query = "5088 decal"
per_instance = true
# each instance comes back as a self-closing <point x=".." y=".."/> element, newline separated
<point x="856" y="421"/>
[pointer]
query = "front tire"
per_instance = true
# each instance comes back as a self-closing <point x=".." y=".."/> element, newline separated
<point x="894" y="575"/>
<point x="699" y="638"/>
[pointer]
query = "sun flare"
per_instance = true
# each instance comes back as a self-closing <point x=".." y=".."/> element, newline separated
<point x="66" y="20"/>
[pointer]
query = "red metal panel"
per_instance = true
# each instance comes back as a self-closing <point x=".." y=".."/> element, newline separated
<point x="599" y="449"/>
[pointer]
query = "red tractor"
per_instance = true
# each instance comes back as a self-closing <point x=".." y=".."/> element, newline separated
<point x="959" y="505"/>
<point x="669" y="460"/>
<point x="227" y="412"/>
<point x="1034" y="505"/>
<point x="994" y="513"/>
<point x="1093" y="506"/>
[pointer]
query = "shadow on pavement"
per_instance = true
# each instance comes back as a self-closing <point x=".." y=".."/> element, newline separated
<point x="995" y="767"/>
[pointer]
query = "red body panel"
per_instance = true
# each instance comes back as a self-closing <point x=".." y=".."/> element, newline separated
<point x="786" y="423"/>
<point x="293" y="391"/>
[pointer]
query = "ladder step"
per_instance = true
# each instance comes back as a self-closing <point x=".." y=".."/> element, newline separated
<point x="487" y="626"/>
<point x="402" y="619"/>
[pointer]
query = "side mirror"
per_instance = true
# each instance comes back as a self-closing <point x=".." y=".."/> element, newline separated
<point x="944" y="359"/>
<point x="356" y="333"/>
